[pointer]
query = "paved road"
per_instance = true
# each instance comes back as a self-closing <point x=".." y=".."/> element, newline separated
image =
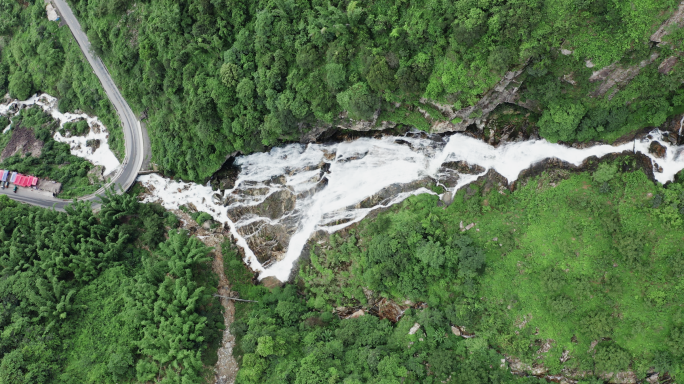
<point x="137" y="143"/>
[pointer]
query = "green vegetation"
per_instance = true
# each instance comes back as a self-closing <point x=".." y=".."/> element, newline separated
<point x="55" y="161"/>
<point x="104" y="298"/>
<point x="77" y="128"/>
<point x="38" y="56"/>
<point x="586" y="266"/>
<point x="224" y="75"/>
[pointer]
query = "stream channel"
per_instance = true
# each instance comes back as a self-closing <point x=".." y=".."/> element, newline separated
<point x="280" y="198"/>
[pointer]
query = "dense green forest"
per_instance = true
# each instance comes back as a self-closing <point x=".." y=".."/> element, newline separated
<point x="576" y="272"/>
<point x="55" y="161"/>
<point x="104" y="298"/>
<point x="216" y="76"/>
<point x="36" y="55"/>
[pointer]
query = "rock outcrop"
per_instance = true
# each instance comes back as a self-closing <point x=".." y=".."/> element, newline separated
<point x="615" y="75"/>
<point x="505" y="91"/>
<point x="658" y="150"/>
<point x="677" y="19"/>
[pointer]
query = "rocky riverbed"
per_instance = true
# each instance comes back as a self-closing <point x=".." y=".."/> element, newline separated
<point x="273" y="202"/>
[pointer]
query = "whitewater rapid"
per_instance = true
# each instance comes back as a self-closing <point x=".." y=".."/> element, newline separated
<point x="101" y="156"/>
<point x="329" y="198"/>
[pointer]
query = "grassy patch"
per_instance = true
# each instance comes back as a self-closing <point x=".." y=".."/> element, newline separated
<point x="594" y="257"/>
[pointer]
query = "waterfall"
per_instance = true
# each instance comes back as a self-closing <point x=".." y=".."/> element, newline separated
<point x="289" y="193"/>
<point x="78" y="144"/>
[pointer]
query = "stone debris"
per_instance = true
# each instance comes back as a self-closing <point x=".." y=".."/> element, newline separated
<point x="456" y="330"/>
<point x="357" y="314"/>
<point x="51" y="13"/>
<point x="414" y="329"/>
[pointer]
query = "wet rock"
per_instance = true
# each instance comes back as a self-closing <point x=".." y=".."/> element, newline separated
<point x="268" y="241"/>
<point x="209" y="224"/>
<point x="657" y="168"/>
<point x="492" y="180"/>
<point x="561" y="170"/>
<point x="386" y="195"/>
<point x="447" y="199"/>
<point x="277" y="180"/>
<point x="227" y="175"/>
<point x="273" y="206"/>
<point x="447" y="177"/>
<point x="403" y="142"/>
<point x="271" y="282"/>
<point x="658" y="150"/>
<point x="464" y="167"/>
<point x="94" y="144"/>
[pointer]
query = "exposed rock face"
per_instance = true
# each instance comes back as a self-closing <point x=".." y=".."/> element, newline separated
<point x="464" y="167"/>
<point x="448" y="174"/>
<point x="562" y="170"/>
<point x="677" y="19"/>
<point x="492" y="180"/>
<point x="666" y="66"/>
<point x="95" y="174"/>
<point x="506" y="91"/>
<point x="225" y="177"/>
<point x="615" y="75"/>
<point x="23" y="141"/>
<point x="94" y="144"/>
<point x="658" y="150"/>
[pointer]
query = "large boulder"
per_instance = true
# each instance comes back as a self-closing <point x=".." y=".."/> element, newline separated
<point x="656" y="149"/>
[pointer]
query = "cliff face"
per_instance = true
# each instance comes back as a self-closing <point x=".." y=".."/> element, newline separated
<point x="585" y="83"/>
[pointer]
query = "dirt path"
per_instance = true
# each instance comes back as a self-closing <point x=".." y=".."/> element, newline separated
<point x="226" y="368"/>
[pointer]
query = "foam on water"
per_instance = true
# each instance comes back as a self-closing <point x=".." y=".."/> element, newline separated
<point x="358" y="170"/>
<point x="101" y="156"/>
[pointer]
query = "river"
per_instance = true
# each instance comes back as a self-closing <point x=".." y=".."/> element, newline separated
<point x="285" y="195"/>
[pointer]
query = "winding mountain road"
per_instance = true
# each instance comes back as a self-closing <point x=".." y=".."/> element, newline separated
<point x="138" y="150"/>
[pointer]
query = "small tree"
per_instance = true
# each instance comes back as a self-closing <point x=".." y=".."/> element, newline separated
<point x="358" y="101"/>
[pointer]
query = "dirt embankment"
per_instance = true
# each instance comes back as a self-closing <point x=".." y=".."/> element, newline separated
<point x="23" y="141"/>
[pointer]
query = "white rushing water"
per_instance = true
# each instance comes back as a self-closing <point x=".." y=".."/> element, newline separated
<point x="101" y="156"/>
<point x="358" y="170"/>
